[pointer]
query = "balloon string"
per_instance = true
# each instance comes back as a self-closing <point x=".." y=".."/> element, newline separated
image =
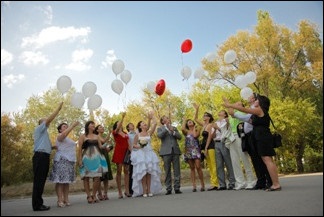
<point x="182" y="60"/>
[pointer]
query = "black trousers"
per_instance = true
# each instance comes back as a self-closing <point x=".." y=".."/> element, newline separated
<point x="130" y="171"/>
<point x="41" y="162"/>
<point x="261" y="171"/>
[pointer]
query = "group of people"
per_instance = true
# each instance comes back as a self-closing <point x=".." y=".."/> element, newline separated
<point x="220" y="145"/>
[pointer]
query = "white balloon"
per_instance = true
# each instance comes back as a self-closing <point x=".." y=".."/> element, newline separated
<point x="77" y="100"/>
<point x="186" y="72"/>
<point x="89" y="89"/>
<point x="117" y="86"/>
<point x="210" y="56"/>
<point x="126" y="76"/>
<point x="118" y="67"/>
<point x="199" y="73"/>
<point x="240" y="81"/>
<point x="250" y="77"/>
<point x="230" y="56"/>
<point x="246" y="92"/>
<point x="151" y="86"/>
<point x="64" y="83"/>
<point x="94" y="102"/>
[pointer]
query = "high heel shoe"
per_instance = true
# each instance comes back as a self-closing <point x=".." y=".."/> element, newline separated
<point x="60" y="204"/>
<point x="100" y="197"/>
<point x="67" y="203"/>
<point x="127" y="195"/>
<point x="95" y="199"/>
<point x="89" y="199"/>
<point x="105" y="197"/>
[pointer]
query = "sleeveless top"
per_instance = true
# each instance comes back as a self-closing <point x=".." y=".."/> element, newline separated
<point x="204" y="140"/>
<point x="261" y="127"/>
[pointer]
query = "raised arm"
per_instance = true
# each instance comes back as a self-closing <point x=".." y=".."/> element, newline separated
<point x="120" y="123"/>
<point x="151" y="131"/>
<point x="66" y="132"/>
<point x="183" y="126"/>
<point x="196" y="114"/>
<point x="255" y="111"/>
<point x="54" y="114"/>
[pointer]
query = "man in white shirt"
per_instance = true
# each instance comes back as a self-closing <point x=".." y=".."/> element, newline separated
<point x="223" y="157"/>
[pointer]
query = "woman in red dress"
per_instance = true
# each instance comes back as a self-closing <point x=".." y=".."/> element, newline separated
<point x="121" y="141"/>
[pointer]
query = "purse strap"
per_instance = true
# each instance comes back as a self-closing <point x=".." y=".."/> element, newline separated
<point x="272" y="123"/>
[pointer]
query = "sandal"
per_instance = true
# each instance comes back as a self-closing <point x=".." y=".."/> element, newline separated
<point x="127" y="195"/>
<point x="60" y="204"/>
<point x="100" y="197"/>
<point x="89" y="199"/>
<point x="67" y="203"/>
<point x="105" y="197"/>
<point x="95" y="200"/>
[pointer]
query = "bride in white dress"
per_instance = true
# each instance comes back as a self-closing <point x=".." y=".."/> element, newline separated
<point x="146" y="169"/>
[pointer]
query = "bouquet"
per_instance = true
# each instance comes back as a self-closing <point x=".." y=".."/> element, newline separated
<point x="143" y="143"/>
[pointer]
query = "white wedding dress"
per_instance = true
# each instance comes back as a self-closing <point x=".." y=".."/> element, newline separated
<point x="145" y="160"/>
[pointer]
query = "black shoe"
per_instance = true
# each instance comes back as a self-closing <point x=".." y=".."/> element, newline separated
<point x="230" y="187"/>
<point x="168" y="192"/>
<point x="178" y="192"/>
<point x="257" y="187"/>
<point x="212" y="189"/>
<point x="221" y="188"/>
<point x="42" y="208"/>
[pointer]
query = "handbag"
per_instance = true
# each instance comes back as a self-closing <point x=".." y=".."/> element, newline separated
<point x="127" y="158"/>
<point x="276" y="137"/>
<point x="276" y="140"/>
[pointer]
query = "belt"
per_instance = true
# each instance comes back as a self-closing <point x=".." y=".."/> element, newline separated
<point x="41" y="152"/>
<point x="217" y="140"/>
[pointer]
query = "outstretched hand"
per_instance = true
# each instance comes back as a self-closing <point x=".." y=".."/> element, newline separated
<point x="195" y="105"/>
<point x="226" y="102"/>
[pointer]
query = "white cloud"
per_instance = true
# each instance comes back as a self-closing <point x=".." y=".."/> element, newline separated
<point x="33" y="58"/>
<point x="80" y="59"/>
<point x="48" y="11"/>
<point x="6" y="57"/>
<point x="53" y="34"/>
<point x="110" y="58"/>
<point x="11" y="79"/>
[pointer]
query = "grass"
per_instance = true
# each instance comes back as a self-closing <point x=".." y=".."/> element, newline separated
<point x="25" y="190"/>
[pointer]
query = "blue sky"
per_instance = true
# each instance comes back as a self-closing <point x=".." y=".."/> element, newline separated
<point x="43" y="40"/>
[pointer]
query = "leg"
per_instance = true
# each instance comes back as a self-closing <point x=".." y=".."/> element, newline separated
<point x="167" y="169"/>
<point x="220" y="165"/>
<point x="66" y="188"/>
<point x="212" y="168"/>
<point x="41" y="163"/>
<point x="192" y="173"/>
<point x="148" y="183"/>
<point x="273" y="171"/>
<point x="144" y="186"/>
<point x="235" y="148"/>
<point x="95" y="186"/>
<point x="228" y="163"/>
<point x="118" y="180"/>
<point x="200" y="173"/>
<point x="60" y="188"/>
<point x="126" y="180"/>
<point x="130" y="169"/>
<point x="176" y="171"/>
<point x="86" y="185"/>
<point x="105" y="195"/>
<point x="99" y="195"/>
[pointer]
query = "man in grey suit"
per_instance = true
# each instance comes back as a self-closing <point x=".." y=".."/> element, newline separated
<point x="170" y="153"/>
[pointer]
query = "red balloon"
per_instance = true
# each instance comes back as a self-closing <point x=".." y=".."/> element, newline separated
<point x="160" y="87"/>
<point x="186" y="46"/>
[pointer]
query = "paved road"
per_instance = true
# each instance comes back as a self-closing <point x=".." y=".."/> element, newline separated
<point x="301" y="195"/>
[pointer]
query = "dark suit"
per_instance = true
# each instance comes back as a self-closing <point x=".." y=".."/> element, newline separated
<point x="170" y="153"/>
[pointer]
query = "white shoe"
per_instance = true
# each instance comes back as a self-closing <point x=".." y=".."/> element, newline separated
<point x="144" y="195"/>
<point x="239" y="188"/>
<point x="150" y="195"/>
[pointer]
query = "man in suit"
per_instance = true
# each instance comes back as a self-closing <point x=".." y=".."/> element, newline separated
<point x="170" y="153"/>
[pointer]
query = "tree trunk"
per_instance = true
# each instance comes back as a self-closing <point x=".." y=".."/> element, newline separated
<point x="299" y="157"/>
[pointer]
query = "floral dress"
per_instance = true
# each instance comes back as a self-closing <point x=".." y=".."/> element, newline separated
<point x="192" y="150"/>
